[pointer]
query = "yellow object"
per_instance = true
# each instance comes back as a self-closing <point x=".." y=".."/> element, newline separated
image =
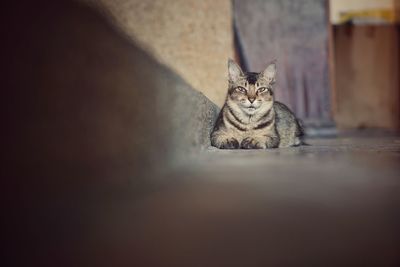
<point x="386" y="15"/>
<point x="364" y="11"/>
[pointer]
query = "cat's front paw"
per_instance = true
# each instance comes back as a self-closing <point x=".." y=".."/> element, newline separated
<point x="272" y="142"/>
<point x="230" y="143"/>
<point x="251" y="143"/>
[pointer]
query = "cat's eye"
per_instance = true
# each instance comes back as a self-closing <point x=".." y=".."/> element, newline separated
<point x="241" y="89"/>
<point x="262" y="89"/>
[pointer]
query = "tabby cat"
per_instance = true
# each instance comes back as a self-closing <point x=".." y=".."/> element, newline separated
<point x="250" y="118"/>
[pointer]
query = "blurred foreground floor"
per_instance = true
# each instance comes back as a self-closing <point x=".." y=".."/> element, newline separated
<point x="334" y="203"/>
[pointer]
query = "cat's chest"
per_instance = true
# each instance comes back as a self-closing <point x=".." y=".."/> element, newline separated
<point x="245" y="130"/>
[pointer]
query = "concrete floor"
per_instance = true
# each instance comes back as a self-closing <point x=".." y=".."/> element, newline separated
<point x="333" y="203"/>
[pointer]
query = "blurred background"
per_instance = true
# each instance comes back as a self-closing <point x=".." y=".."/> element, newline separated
<point x="106" y="112"/>
<point x="338" y="60"/>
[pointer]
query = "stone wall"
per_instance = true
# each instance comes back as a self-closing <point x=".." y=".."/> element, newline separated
<point x="194" y="38"/>
<point x="82" y="100"/>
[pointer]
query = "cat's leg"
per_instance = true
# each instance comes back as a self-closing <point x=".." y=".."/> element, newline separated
<point x="260" y="142"/>
<point x="224" y="140"/>
<point x="272" y="141"/>
<point x="286" y="141"/>
<point x="289" y="138"/>
<point x="252" y="143"/>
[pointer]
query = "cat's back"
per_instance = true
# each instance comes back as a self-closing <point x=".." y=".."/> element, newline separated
<point x="283" y="113"/>
<point x="287" y="126"/>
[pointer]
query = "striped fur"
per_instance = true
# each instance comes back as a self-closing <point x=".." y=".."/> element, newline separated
<point x="250" y="118"/>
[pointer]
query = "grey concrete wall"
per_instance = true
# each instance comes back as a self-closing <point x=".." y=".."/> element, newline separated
<point x="85" y="115"/>
<point x="80" y="99"/>
<point x="194" y="38"/>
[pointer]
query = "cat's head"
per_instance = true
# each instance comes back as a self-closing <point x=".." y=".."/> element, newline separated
<point x="251" y="91"/>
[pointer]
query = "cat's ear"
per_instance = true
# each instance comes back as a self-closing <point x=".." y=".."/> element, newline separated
<point x="270" y="72"/>
<point x="234" y="71"/>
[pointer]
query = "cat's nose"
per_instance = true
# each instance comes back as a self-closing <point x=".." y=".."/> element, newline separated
<point x="251" y="99"/>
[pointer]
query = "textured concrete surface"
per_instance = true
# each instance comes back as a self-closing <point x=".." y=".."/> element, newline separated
<point x="84" y="110"/>
<point x="334" y="203"/>
<point x="78" y="93"/>
<point x="193" y="38"/>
